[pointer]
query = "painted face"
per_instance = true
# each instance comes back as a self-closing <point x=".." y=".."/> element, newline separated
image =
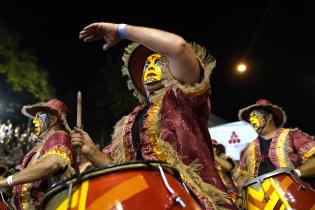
<point x="258" y="119"/>
<point x="152" y="71"/>
<point x="41" y="122"/>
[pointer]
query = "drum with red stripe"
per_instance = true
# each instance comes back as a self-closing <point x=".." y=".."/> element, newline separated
<point x="130" y="186"/>
<point x="279" y="190"/>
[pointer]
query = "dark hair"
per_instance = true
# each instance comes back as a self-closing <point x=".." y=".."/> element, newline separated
<point x="220" y="148"/>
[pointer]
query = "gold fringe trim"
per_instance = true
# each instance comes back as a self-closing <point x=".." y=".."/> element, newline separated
<point x="118" y="145"/>
<point x="308" y="154"/>
<point x="281" y="149"/>
<point x="251" y="161"/>
<point x="207" y="63"/>
<point x="189" y="173"/>
<point x="165" y="152"/>
<point x="26" y="200"/>
<point x="62" y="162"/>
<point x="59" y="152"/>
<point x="125" y="72"/>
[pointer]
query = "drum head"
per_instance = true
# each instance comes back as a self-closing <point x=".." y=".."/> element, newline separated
<point x="130" y="183"/>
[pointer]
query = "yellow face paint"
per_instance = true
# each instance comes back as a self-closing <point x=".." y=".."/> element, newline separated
<point x="40" y="122"/>
<point x="152" y="71"/>
<point x="258" y="120"/>
<point x="36" y="125"/>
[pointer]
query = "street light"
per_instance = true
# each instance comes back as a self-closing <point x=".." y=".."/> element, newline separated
<point x="241" y="67"/>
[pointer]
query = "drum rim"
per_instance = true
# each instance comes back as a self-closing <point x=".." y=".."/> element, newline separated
<point x="261" y="178"/>
<point x="60" y="186"/>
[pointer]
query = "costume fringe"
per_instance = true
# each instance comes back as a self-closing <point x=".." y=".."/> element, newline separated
<point x="251" y="159"/>
<point x="119" y="153"/>
<point x="190" y="172"/>
<point x="125" y="72"/>
<point x="207" y="63"/>
<point x="62" y="163"/>
<point x="309" y="150"/>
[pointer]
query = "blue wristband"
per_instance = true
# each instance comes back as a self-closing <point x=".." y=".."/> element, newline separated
<point x="121" y="31"/>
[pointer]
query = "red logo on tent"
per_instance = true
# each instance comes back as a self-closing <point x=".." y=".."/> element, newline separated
<point x="234" y="138"/>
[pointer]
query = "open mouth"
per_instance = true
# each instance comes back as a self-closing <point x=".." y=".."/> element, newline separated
<point x="151" y="75"/>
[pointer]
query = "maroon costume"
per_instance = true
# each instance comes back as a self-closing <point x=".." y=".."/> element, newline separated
<point x="57" y="146"/>
<point x="174" y="127"/>
<point x="288" y="147"/>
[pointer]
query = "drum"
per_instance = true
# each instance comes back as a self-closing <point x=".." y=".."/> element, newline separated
<point x="3" y="203"/>
<point x="279" y="189"/>
<point x="130" y="186"/>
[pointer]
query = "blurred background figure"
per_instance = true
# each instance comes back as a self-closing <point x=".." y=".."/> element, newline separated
<point x="225" y="166"/>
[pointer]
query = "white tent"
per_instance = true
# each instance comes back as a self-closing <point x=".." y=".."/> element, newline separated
<point x="234" y="136"/>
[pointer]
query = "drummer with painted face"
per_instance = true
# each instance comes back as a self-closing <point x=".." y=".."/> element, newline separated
<point x="275" y="147"/>
<point x="50" y="161"/>
<point x="170" y="78"/>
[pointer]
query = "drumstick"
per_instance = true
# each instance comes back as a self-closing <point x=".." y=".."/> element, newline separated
<point x="79" y="110"/>
<point x="79" y="125"/>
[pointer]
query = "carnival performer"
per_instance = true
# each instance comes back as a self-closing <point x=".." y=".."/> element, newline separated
<point x="225" y="165"/>
<point x="275" y="147"/>
<point x="170" y="77"/>
<point x="48" y="162"/>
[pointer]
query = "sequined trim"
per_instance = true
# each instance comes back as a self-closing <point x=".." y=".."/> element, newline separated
<point x="61" y="153"/>
<point x="309" y="154"/>
<point x="26" y="200"/>
<point x="280" y="149"/>
<point x="153" y="129"/>
<point x="251" y="161"/>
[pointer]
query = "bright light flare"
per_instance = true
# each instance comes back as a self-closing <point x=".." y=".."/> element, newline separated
<point x="241" y="67"/>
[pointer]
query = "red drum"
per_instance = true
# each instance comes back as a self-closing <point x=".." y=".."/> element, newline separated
<point x="279" y="189"/>
<point x="130" y="186"/>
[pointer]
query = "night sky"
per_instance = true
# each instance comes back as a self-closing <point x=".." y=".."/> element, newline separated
<point x="280" y="56"/>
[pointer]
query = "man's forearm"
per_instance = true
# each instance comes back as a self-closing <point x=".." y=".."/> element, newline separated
<point x="39" y="170"/>
<point x="183" y="63"/>
<point x="307" y="169"/>
<point x="157" y="40"/>
<point x="226" y="165"/>
<point x="97" y="158"/>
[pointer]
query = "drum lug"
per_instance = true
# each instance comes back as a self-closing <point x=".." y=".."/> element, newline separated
<point x="174" y="196"/>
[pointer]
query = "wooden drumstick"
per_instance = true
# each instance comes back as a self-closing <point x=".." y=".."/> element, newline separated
<point x="78" y="125"/>
<point x="79" y="110"/>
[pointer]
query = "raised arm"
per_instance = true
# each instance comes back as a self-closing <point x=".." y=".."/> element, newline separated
<point x="182" y="62"/>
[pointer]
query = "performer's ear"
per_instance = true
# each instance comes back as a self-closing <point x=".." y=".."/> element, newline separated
<point x="53" y="119"/>
<point x="270" y="117"/>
